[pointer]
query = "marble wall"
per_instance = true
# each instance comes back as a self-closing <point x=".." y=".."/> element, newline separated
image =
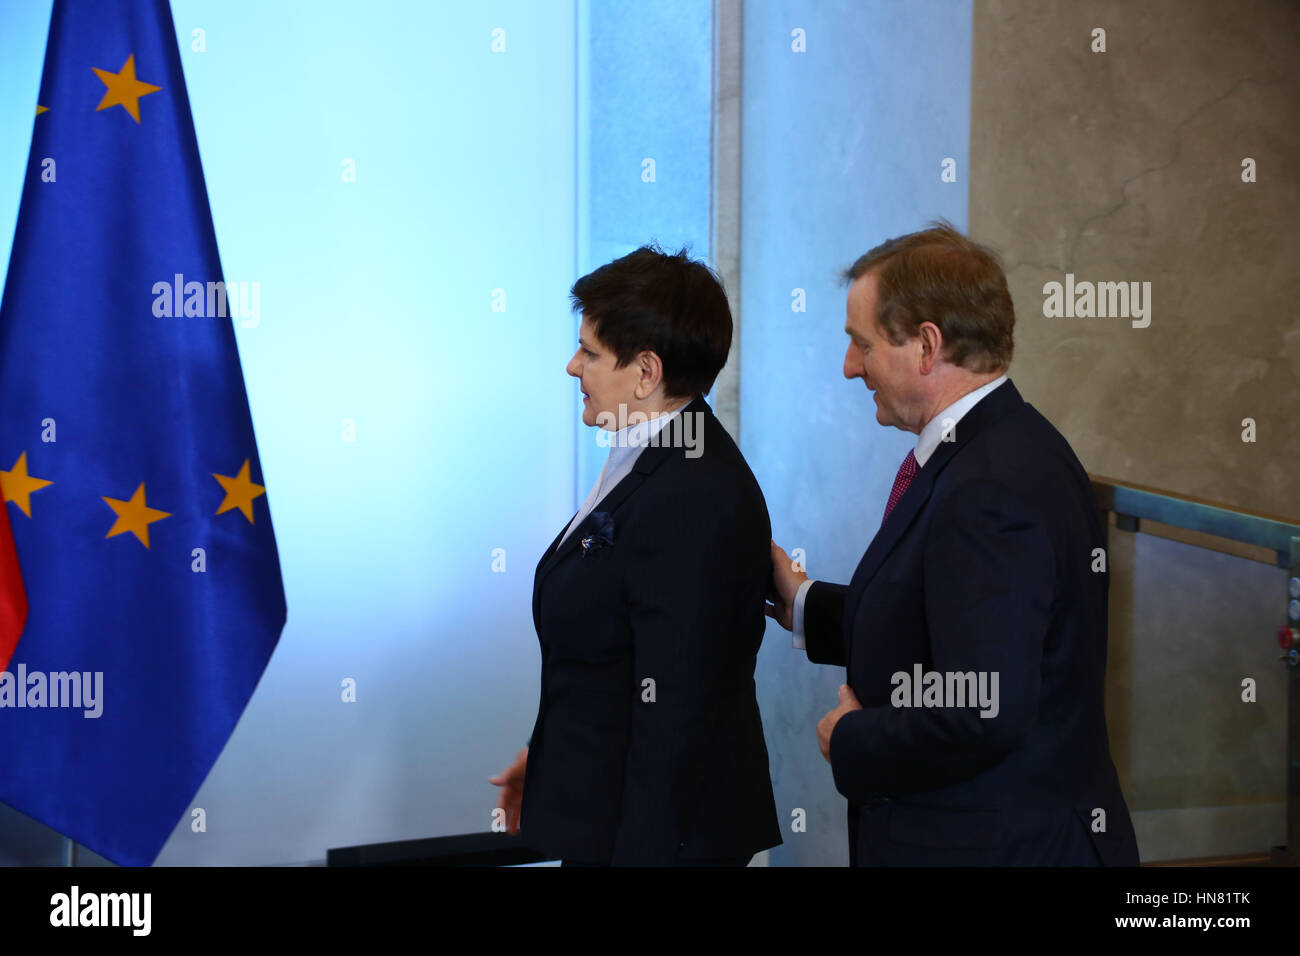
<point x="1129" y="165"/>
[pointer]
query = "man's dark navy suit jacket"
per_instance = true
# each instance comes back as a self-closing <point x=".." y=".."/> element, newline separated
<point x="677" y="598"/>
<point x="984" y="565"/>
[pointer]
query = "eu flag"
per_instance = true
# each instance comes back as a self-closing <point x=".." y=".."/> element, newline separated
<point x="129" y="467"/>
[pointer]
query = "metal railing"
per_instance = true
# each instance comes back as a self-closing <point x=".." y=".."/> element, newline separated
<point x="1276" y="540"/>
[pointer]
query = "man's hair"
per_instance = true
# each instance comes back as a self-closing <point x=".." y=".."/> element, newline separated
<point x="668" y="304"/>
<point x="938" y="275"/>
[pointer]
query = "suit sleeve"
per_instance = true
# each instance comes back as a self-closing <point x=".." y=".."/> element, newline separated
<point x="823" y="623"/>
<point x="692" y="586"/>
<point x="989" y="589"/>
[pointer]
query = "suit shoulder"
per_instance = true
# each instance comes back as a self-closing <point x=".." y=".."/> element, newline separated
<point x="1024" y="465"/>
<point x="708" y="451"/>
<point x="707" y="473"/>
<point x="1021" y="445"/>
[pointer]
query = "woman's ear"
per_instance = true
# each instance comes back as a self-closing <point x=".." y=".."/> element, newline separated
<point x="652" y="370"/>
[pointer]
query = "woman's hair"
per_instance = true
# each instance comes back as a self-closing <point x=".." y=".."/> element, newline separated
<point x="665" y="303"/>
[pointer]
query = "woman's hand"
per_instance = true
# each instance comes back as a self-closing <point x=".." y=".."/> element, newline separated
<point x="511" y="782"/>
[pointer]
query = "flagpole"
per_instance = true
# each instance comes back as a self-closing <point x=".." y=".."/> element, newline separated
<point x="69" y="852"/>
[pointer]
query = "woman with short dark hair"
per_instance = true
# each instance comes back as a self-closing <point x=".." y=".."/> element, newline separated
<point x="649" y="605"/>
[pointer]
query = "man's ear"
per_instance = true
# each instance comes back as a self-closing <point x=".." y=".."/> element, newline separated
<point x="931" y="346"/>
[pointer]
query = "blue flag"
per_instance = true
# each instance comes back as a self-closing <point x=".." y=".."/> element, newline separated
<point x="127" y="457"/>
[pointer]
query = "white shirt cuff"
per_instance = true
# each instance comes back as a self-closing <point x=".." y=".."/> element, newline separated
<point x="796" y="613"/>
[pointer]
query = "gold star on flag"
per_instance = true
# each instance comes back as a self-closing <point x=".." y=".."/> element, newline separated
<point x="17" y="486"/>
<point x="41" y="109"/>
<point x="240" y="492"/>
<point x="124" y="89"/>
<point x="134" y="516"/>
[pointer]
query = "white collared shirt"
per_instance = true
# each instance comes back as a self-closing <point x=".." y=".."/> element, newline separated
<point x="926" y="443"/>
<point x="625" y="447"/>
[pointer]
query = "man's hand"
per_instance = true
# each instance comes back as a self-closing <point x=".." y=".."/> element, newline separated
<point x="511" y="782"/>
<point x="785" y="584"/>
<point x="826" y="726"/>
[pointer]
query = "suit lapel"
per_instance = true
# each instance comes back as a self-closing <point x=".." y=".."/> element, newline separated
<point x="651" y="457"/>
<point x="998" y="403"/>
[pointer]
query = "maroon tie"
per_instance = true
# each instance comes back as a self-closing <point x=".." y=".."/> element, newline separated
<point x="906" y="472"/>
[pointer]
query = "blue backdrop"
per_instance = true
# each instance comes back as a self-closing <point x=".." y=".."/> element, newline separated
<point x="415" y="186"/>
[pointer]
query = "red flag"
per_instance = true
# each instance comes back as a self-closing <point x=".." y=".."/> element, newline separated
<point x="13" y="597"/>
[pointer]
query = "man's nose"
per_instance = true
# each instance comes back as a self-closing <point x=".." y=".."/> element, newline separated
<point x="852" y="367"/>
